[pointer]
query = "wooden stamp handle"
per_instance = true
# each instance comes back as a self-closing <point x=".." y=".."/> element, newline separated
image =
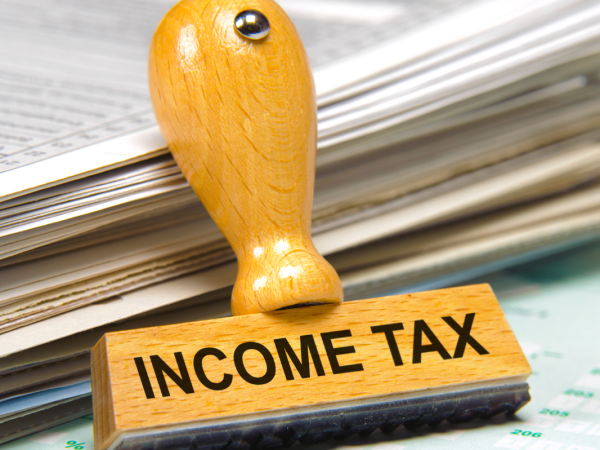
<point x="239" y="116"/>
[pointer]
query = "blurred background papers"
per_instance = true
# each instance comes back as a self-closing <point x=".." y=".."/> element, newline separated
<point x="456" y="138"/>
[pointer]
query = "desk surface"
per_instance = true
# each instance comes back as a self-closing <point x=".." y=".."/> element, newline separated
<point x="553" y="306"/>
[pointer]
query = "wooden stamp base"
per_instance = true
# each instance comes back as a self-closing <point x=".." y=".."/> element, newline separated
<point x="309" y="374"/>
<point x="315" y="425"/>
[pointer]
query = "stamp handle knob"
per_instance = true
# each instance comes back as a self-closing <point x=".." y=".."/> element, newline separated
<point x="237" y="108"/>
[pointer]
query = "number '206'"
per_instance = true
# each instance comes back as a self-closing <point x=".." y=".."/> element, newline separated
<point x="526" y="433"/>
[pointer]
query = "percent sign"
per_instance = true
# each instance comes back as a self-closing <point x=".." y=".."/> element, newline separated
<point x="75" y="445"/>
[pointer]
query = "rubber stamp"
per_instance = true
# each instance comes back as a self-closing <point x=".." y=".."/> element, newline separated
<point x="234" y="98"/>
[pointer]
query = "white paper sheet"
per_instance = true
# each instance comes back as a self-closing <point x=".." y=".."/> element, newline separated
<point x="73" y="87"/>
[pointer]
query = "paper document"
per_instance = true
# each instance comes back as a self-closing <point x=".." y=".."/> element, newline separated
<point x="73" y="90"/>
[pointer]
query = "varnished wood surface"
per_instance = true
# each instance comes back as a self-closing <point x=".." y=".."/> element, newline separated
<point x="239" y="117"/>
<point x="121" y="403"/>
<point x="103" y="408"/>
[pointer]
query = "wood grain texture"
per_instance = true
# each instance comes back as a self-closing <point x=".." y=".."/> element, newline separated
<point x="104" y="426"/>
<point x="133" y="410"/>
<point x="240" y="119"/>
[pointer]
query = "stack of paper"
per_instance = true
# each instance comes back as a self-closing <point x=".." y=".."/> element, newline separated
<point x="455" y="138"/>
